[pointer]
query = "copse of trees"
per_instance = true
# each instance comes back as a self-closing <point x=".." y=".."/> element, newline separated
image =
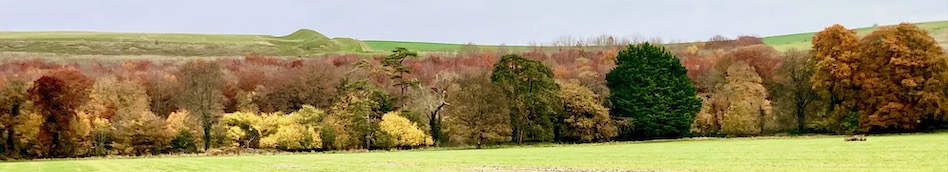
<point x="892" y="80"/>
<point x="531" y="89"/>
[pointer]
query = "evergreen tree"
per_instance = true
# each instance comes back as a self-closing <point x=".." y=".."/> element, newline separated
<point x="650" y="88"/>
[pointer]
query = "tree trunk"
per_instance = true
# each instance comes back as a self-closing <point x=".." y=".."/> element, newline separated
<point x="207" y="136"/>
<point x="801" y="117"/>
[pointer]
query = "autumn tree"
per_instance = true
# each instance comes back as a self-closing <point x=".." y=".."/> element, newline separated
<point x="13" y="98"/>
<point x="793" y="92"/>
<point x="182" y="128"/>
<point x="57" y="95"/>
<point x="398" y="131"/>
<point x="834" y="50"/>
<point x="242" y="129"/>
<point x="750" y="112"/>
<point x="353" y="119"/>
<point x="650" y="88"/>
<point x="900" y="79"/>
<point x="480" y="113"/>
<point x="433" y="101"/>
<point x="299" y="130"/>
<point x="123" y="105"/>
<point x="201" y="93"/>
<point x="162" y="89"/>
<point x="532" y="91"/>
<point x="585" y="119"/>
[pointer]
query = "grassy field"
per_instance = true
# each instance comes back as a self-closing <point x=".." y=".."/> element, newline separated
<point x="916" y="152"/>
<point x="937" y="29"/>
<point x="301" y="42"/>
<point x="379" y="45"/>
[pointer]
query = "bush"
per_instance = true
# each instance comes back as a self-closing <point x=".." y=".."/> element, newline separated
<point x="146" y="134"/>
<point x="242" y="129"/>
<point x="102" y="137"/>
<point x="181" y="126"/>
<point x="294" y="132"/>
<point x="398" y="131"/>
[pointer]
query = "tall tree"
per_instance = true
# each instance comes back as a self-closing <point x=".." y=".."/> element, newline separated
<point x="480" y="114"/>
<point x="900" y="79"/>
<point x="531" y="89"/>
<point x="834" y="50"/>
<point x="201" y="93"/>
<point x="651" y="89"/>
<point x="750" y="111"/>
<point x="793" y="91"/>
<point x="398" y="72"/>
<point x="57" y="95"/>
<point x="13" y="97"/>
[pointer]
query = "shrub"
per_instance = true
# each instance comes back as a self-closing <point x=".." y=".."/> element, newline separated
<point x="400" y="132"/>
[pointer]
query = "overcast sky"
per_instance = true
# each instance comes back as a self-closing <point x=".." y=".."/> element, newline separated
<point x="481" y="21"/>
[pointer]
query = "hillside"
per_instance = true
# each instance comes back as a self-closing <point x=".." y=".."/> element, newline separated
<point x="301" y="42"/>
<point x="937" y="29"/>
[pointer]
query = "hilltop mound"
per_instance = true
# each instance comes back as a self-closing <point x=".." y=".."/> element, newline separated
<point x="305" y="34"/>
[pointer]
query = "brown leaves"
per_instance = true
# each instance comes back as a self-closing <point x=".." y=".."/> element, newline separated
<point x="899" y="78"/>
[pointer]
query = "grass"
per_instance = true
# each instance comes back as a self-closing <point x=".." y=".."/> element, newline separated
<point x="379" y="45"/>
<point x="914" y="152"/>
<point x="937" y="29"/>
<point x="300" y="43"/>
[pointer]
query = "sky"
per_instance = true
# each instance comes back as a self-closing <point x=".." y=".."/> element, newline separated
<point x="512" y="22"/>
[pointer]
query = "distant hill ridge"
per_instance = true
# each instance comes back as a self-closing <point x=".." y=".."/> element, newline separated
<point x="302" y="42"/>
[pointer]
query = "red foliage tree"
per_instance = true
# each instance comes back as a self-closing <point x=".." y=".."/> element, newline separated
<point x="57" y="95"/>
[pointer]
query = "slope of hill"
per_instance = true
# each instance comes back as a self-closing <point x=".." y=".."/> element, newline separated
<point x="301" y="42"/>
<point x="937" y="29"/>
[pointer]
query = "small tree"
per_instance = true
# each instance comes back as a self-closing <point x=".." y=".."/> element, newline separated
<point x="398" y="131"/>
<point x="13" y="98"/>
<point x="586" y="120"/>
<point x="650" y="88"/>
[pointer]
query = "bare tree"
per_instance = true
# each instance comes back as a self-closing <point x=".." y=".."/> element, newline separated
<point x="201" y="93"/>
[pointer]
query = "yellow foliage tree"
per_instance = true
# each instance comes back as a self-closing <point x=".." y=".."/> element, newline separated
<point x="299" y="130"/>
<point x="750" y="111"/>
<point x="586" y="120"/>
<point x="401" y="132"/>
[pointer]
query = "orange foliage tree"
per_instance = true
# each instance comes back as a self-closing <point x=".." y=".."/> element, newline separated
<point x="834" y="50"/>
<point x="900" y="79"/>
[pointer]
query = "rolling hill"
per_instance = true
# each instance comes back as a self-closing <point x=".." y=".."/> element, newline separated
<point x="303" y="42"/>
<point x="937" y="29"/>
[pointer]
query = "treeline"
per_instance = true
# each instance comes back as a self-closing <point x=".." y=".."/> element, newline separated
<point x="892" y="80"/>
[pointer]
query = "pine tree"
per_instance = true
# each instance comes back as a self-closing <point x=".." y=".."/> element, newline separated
<point x="650" y="87"/>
